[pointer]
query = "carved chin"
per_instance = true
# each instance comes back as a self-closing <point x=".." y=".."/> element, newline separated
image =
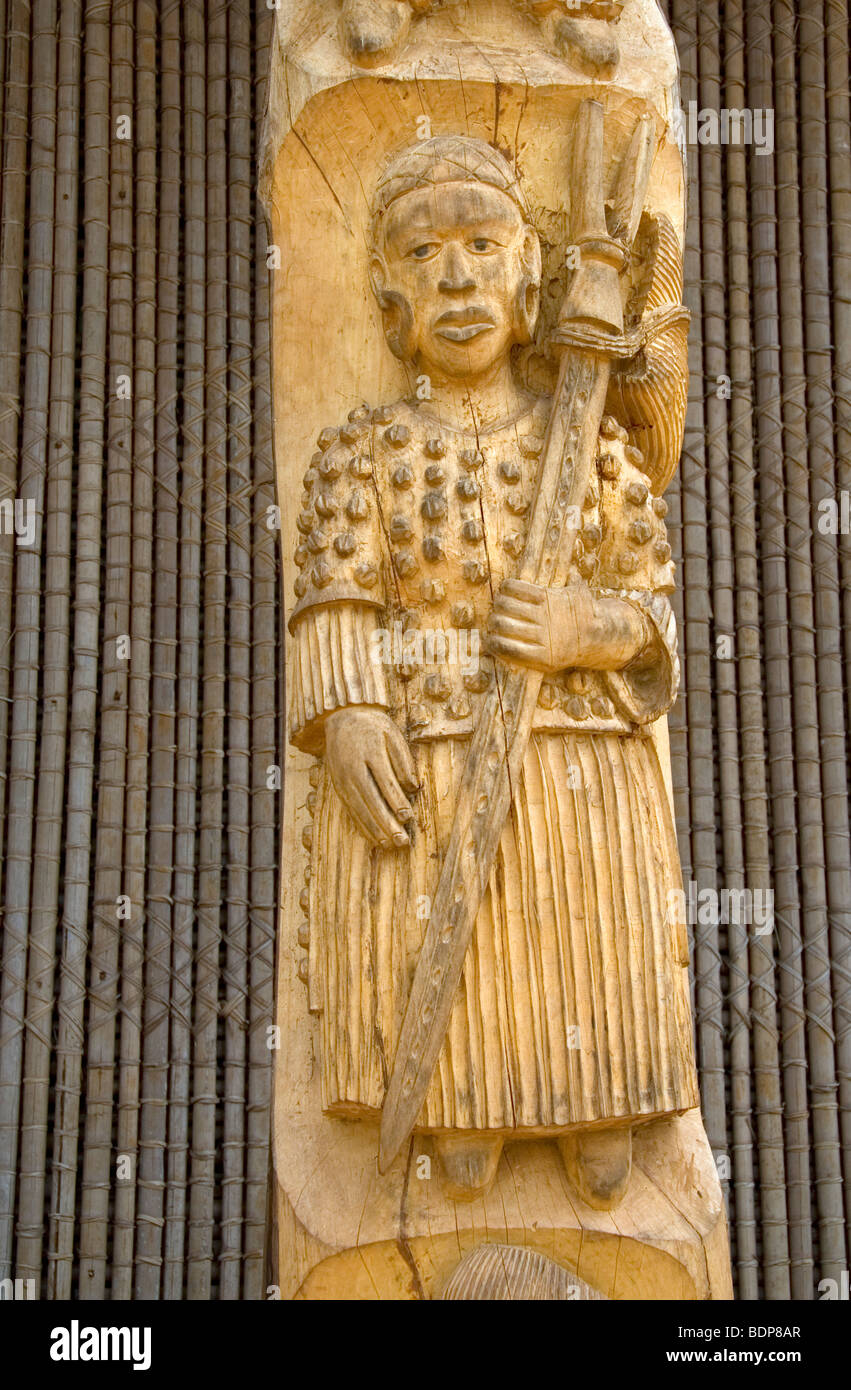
<point x="461" y="357"/>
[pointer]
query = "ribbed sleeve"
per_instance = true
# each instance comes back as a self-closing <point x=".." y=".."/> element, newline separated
<point x="646" y="689"/>
<point x="335" y="661"/>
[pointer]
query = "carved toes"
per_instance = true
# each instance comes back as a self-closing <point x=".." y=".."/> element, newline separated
<point x="372" y="29"/>
<point x="589" y="45"/>
<point x="598" y="1163"/>
<point x="468" y="1164"/>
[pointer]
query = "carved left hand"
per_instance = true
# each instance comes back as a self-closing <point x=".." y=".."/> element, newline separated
<point x="553" y="629"/>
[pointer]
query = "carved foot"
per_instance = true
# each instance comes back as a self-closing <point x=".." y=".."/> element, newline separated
<point x="468" y="1165"/>
<point x="589" y="45"/>
<point x="372" y="29"/>
<point x="598" y="1163"/>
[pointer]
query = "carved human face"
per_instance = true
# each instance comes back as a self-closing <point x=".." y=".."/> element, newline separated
<point x="458" y="256"/>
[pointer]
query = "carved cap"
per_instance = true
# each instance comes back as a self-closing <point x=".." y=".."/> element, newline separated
<point x="446" y="159"/>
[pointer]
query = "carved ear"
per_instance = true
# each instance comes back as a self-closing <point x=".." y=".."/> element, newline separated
<point x="395" y="312"/>
<point x="529" y="293"/>
<point x="377" y="271"/>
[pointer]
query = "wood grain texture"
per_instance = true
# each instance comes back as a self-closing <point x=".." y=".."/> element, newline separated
<point x="579" y="855"/>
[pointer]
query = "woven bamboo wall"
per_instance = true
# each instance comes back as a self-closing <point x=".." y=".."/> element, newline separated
<point x="761" y="743"/>
<point x="136" y="1073"/>
<point x="134" y="1105"/>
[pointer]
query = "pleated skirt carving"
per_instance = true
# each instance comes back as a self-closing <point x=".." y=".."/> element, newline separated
<point x="574" y="1006"/>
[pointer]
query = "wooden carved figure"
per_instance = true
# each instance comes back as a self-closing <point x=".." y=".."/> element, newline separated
<point x="571" y="1018"/>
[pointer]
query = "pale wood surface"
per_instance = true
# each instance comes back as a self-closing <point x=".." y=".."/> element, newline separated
<point x="343" y="1229"/>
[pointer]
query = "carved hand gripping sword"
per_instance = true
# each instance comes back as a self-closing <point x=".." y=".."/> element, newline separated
<point x="588" y="336"/>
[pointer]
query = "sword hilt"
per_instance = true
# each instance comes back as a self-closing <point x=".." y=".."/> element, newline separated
<point x="594" y="296"/>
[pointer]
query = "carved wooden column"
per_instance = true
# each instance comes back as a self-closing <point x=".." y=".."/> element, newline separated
<point x="485" y="1086"/>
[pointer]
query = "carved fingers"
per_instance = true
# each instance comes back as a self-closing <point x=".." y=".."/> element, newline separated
<point x="373" y="773"/>
<point x="519" y="625"/>
<point x="555" y="629"/>
<point x="402" y="762"/>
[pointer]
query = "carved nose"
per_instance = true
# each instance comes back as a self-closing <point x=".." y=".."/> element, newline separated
<point x="456" y="275"/>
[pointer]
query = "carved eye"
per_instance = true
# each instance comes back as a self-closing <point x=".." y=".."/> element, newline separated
<point x="481" y="243"/>
<point x="422" y="253"/>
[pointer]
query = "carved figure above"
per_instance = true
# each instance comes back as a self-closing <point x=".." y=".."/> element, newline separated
<point x="373" y="31"/>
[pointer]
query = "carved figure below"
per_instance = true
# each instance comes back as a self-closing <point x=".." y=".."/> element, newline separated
<point x="571" y="1017"/>
<point x="512" y="1273"/>
<point x="581" y="30"/>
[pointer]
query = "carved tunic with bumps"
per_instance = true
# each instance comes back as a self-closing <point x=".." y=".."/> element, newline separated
<point x="573" y="1008"/>
<point x="416" y="528"/>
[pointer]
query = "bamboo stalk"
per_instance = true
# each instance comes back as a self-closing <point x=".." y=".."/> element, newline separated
<point x="799" y="998"/>
<point x="130" y="1221"/>
<point x="239" y="646"/>
<point x="153" y="1155"/>
<point x="214" y="692"/>
<point x="4" y="31"/>
<point x="265" y="752"/>
<point x="27" y="621"/>
<point x="799" y="565"/>
<point x="103" y="994"/>
<point x="827" y="925"/>
<point x="839" y="154"/>
<point x="837" y="21"/>
<point x="13" y="191"/>
<point x="129" y="1225"/>
<point x="775" y="635"/>
<point x="717" y="365"/>
<point x="86" y="658"/>
<point x="190" y="508"/>
<point x="57" y="620"/>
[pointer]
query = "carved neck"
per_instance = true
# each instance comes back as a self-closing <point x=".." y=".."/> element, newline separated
<point x="478" y="405"/>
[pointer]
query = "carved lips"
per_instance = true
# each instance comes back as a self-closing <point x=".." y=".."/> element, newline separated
<point x="460" y="325"/>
